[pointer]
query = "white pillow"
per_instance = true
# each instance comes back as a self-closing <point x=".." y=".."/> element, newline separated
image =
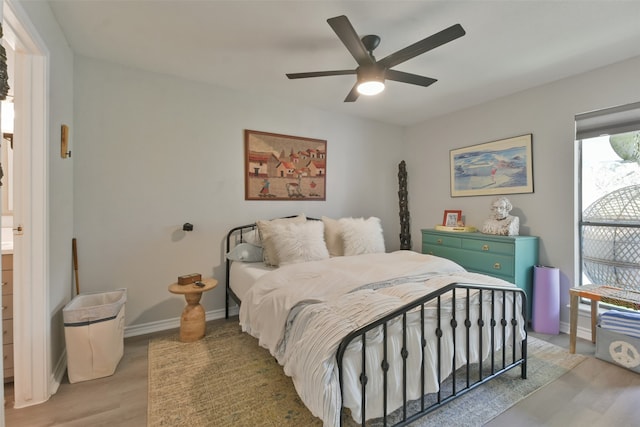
<point x="269" y="255"/>
<point x="333" y="236"/>
<point x="252" y="237"/>
<point x="245" y="252"/>
<point x="299" y="242"/>
<point x="362" y="236"/>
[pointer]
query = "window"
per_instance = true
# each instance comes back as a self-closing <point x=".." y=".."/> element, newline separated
<point x="609" y="196"/>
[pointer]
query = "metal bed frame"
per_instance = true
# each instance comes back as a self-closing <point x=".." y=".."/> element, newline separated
<point x="462" y="379"/>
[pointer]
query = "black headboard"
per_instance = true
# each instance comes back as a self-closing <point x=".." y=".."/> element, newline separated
<point x="235" y="236"/>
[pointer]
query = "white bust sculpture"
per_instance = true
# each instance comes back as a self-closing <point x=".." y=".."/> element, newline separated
<point x="500" y="222"/>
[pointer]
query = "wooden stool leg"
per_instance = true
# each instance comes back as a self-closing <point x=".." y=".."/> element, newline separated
<point x="594" y="319"/>
<point x="573" y="322"/>
<point x="193" y="319"/>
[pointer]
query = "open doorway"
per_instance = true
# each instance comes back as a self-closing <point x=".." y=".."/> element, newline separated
<point x="31" y="315"/>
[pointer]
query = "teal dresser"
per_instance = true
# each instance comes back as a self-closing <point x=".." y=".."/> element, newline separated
<point x="506" y="257"/>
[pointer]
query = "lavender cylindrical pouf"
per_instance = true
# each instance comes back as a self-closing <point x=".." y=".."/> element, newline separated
<point x="546" y="300"/>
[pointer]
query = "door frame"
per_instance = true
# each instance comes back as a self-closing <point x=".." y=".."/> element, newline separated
<point x="33" y="379"/>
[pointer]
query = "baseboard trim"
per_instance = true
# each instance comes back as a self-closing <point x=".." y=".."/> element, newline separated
<point x="581" y="332"/>
<point x="54" y="380"/>
<point x="58" y="373"/>
<point x="173" y="323"/>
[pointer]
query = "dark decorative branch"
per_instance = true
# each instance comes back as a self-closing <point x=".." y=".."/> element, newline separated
<point x="4" y="83"/>
<point x="405" y="233"/>
<point x="4" y="76"/>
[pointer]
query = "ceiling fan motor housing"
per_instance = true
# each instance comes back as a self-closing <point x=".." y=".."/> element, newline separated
<point x="371" y="72"/>
<point x="370" y="42"/>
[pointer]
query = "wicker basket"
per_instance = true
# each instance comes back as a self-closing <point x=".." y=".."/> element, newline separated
<point x="611" y="253"/>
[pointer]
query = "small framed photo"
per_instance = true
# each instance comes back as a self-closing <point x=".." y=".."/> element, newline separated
<point x="451" y="218"/>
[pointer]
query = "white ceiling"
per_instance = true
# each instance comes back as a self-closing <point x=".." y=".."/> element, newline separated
<point x="250" y="45"/>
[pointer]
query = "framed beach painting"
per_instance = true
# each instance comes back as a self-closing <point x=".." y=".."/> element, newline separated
<point x="284" y="167"/>
<point x="498" y="167"/>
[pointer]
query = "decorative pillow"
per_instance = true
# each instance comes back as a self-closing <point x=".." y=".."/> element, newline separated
<point x="269" y="255"/>
<point x="245" y="252"/>
<point x="333" y="236"/>
<point x="299" y="242"/>
<point x="362" y="236"/>
<point x="252" y="237"/>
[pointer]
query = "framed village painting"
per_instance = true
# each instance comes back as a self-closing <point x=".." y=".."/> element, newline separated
<point x="284" y="167"/>
<point x="492" y="168"/>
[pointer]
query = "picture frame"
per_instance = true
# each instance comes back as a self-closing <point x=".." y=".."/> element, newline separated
<point x="451" y="218"/>
<point x="284" y="167"/>
<point x="499" y="167"/>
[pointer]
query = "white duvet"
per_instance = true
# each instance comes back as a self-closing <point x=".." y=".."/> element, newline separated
<point x="301" y="312"/>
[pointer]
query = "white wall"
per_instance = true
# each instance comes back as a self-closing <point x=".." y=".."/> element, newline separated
<point x="152" y="152"/>
<point x="548" y="113"/>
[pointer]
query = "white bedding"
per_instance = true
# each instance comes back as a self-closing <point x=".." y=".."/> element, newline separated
<point x="244" y="275"/>
<point x="301" y="312"/>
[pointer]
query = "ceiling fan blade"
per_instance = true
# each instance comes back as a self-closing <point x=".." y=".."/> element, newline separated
<point x="320" y="74"/>
<point x="424" y="45"/>
<point x="353" y="95"/>
<point x="350" y="39"/>
<point x="414" y="79"/>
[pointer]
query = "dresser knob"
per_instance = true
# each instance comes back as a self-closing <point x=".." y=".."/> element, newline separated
<point x="497" y="266"/>
<point x="485" y="247"/>
<point x="439" y="241"/>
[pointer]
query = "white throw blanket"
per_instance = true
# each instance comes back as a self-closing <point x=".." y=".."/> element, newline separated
<point x="301" y="312"/>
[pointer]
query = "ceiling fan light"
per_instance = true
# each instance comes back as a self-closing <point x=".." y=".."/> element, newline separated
<point x="371" y="87"/>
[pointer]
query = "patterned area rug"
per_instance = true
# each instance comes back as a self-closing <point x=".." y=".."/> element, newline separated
<point x="226" y="379"/>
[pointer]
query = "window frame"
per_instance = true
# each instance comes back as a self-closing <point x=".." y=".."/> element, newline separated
<point x="610" y="121"/>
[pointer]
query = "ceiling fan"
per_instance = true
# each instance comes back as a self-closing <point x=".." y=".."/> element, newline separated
<point x="371" y="74"/>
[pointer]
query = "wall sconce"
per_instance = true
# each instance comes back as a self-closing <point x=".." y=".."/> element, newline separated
<point x="187" y="227"/>
<point x="64" y="142"/>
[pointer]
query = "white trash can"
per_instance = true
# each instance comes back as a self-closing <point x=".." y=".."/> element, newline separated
<point x="94" y="334"/>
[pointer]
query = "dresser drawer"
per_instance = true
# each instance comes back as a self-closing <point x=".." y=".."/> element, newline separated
<point x="7" y="307"/>
<point x="488" y="246"/>
<point x="434" y="239"/>
<point x="7" y="351"/>
<point x="453" y="254"/>
<point x="492" y="264"/>
<point x="7" y="331"/>
<point x="7" y="262"/>
<point x="7" y="282"/>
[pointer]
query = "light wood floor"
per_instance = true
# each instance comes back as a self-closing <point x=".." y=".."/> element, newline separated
<point x="595" y="393"/>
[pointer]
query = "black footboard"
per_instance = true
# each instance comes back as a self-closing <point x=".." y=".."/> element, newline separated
<point x="472" y="318"/>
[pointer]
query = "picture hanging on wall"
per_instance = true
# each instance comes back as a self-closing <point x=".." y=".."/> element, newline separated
<point x="284" y="167"/>
<point x="498" y="167"/>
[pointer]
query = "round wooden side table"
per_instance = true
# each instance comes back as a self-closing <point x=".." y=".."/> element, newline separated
<point x="193" y="319"/>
